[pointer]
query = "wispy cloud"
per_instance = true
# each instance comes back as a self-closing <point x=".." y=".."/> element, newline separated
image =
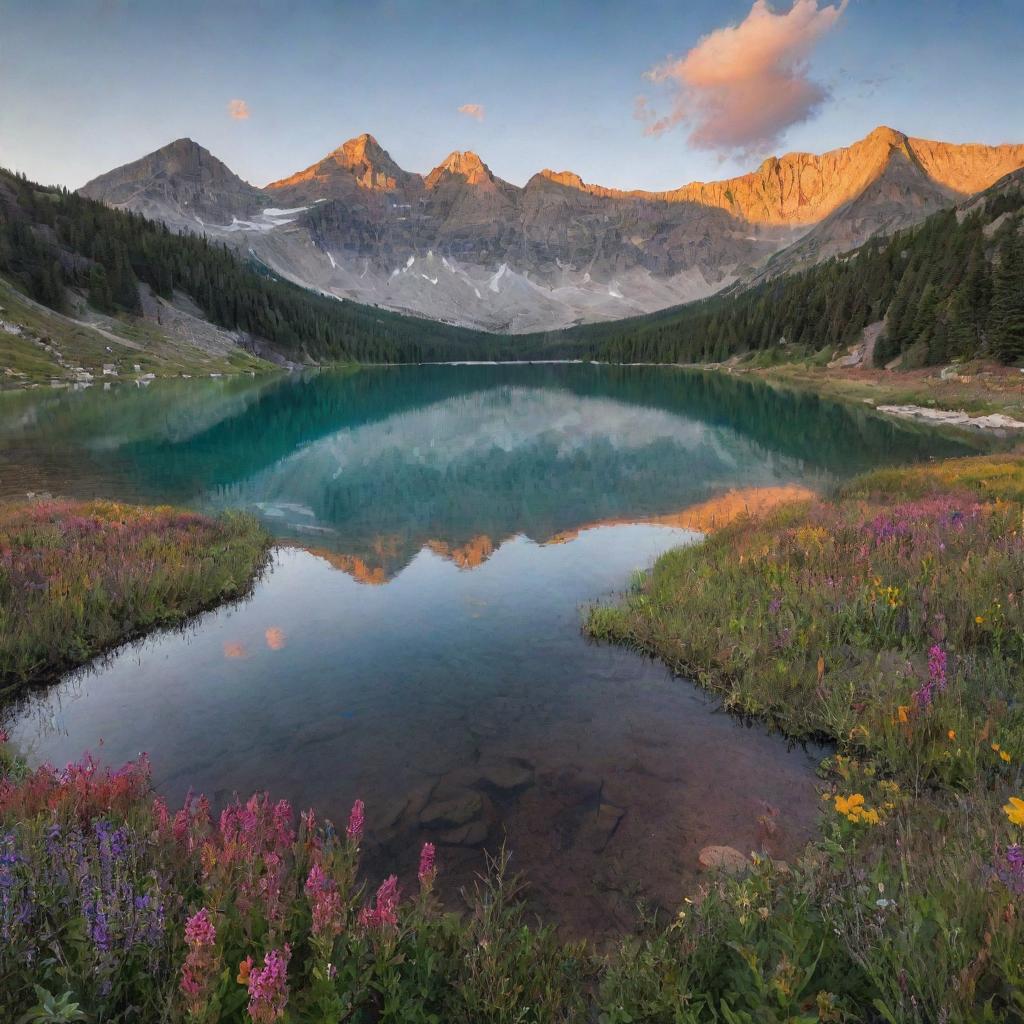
<point x="238" y="109"/>
<point x="473" y="110"/>
<point x="742" y="86"/>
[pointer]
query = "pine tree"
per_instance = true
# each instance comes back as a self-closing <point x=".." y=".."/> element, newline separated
<point x="1006" y="318"/>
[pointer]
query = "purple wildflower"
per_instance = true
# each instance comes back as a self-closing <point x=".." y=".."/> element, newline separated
<point x="1011" y="871"/>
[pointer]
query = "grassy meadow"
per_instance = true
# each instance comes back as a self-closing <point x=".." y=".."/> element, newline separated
<point x="77" y="578"/>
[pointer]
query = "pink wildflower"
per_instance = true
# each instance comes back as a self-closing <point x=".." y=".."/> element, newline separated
<point x="200" y="969"/>
<point x="936" y="677"/>
<point x="428" y="868"/>
<point x="385" y="909"/>
<point x="199" y="929"/>
<point x="268" y="987"/>
<point x="324" y="901"/>
<point x="356" y="822"/>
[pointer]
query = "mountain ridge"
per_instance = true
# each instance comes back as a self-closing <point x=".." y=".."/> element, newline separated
<point x="459" y="244"/>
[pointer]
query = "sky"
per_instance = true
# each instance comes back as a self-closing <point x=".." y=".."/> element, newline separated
<point x="644" y="94"/>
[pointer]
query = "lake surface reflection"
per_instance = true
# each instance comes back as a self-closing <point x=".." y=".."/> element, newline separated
<point x="421" y="648"/>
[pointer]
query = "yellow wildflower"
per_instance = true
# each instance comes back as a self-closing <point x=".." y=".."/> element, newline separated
<point x="903" y="712"/>
<point x="1004" y="756"/>
<point x="951" y="734"/>
<point x="847" y="804"/>
<point x="979" y="619"/>
<point x="1014" y="810"/>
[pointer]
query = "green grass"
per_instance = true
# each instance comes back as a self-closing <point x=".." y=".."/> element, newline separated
<point x="76" y="578"/>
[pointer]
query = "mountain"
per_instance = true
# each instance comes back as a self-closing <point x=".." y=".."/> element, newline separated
<point x="181" y="184"/>
<point x="949" y="289"/>
<point x="461" y="245"/>
<point x="88" y="290"/>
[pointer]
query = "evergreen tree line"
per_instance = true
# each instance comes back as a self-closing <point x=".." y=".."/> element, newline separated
<point x="52" y="240"/>
<point x="950" y="288"/>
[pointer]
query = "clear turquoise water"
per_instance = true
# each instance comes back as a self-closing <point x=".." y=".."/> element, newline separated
<point x="428" y="625"/>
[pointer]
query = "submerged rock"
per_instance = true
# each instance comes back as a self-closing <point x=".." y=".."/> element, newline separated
<point x="473" y="834"/>
<point x="453" y="810"/>
<point x="726" y="859"/>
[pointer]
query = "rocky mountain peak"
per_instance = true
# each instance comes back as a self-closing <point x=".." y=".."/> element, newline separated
<point x="567" y="178"/>
<point x="361" y="161"/>
<point x="463" y="165"/>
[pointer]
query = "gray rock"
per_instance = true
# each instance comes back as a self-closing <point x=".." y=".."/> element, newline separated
<point x="453" y="810"/>
<point x="473" y="834"/>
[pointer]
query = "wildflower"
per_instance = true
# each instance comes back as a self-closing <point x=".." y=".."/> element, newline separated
<point x="1014" y="810"/>
<point x="200" y="968"/>
<point x="1003" y="755"/>
<point x="846" y="804"/>
<point x="937" y="666"/>
<point x="1011" y="870"/>
<point x="979" y="619"/>
<point x="356" y="822"/>
<point x="903" y="713"/>
<point x="244" y="969"/>
<point x="854" y="809"/>
<point x="268" y="987"/>
<point x="199" y="929"/>
<point x="951" y="734"/>
<point x="324" y="901"/>
<point x="427" y="870"/>
<point x="384" y="912"/>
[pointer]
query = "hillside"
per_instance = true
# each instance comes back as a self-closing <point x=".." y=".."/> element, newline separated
<point x="461" y="245"/>
<point x="951" y="288"/>
<point x="88" y="291"/>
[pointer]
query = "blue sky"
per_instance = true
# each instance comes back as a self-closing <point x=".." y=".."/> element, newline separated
<point x="86" y="86"/>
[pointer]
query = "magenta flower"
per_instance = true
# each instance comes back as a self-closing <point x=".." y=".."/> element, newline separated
<point x="428" y="868"/>
<point x="1011" y="870"/>
<point x="324" y="901"/>
<point x="268" y="987"/>
<point x="199" y="929"/>
<point x="924" y="695"/>
<point x="356" y="822"/>
<point x="200" y="969"/>
<point x="385" y="909"/>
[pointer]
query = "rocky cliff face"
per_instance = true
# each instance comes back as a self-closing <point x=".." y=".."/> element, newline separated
<point x="461" y="244"/>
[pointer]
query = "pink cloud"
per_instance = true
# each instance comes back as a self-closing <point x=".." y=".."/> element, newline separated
<point x="742" y="86"/>
<point x="238" y="109"/>
<point x="473" y="110"/>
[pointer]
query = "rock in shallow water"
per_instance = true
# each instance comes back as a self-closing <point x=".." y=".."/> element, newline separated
<point x="726" y="859"/>
<point x="458" y="808"/>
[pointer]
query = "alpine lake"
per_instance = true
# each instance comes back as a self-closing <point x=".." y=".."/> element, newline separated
<point x="416" y="639"/>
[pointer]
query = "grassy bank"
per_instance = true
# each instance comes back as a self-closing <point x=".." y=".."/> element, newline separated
<point x="979" y="388"/>
<point x="891" y="621"/>
<point x="76" y="578"/>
